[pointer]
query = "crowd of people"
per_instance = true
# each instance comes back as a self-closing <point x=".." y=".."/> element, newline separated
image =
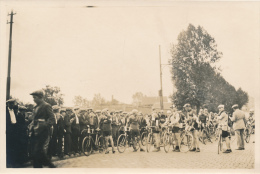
<point x="55" y="131"/>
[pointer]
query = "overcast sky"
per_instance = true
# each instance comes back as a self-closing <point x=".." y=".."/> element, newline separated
<point x="114" y="50"/>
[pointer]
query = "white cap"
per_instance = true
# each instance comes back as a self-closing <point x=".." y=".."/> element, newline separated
<point x="220" y="106"/>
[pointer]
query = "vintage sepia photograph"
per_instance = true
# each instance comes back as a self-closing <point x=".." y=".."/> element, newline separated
<point x="120" y="85"/>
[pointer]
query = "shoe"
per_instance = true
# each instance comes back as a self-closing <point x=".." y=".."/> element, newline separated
<point x="114" y="151"/>
<point x="198" y="150"/>
<point x="141" y="150"/>
<point x="229" y="150"/>
<point x="106" y="152"/>
<point x="226" y="151"/>
<point x="253" y="141"/>
<point x="176" y="150"/>
<point x="240" y="148"/>
<point x="51" y="165"/>
<point x="156" y="150"/>
<point x="194" y="149"/>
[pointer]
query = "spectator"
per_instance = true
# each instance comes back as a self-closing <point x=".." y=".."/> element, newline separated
<point x="43" y="119"/>
<point x="22" y="136"/>
<point x="60" y="133"/>
<point x="67" y="132"/>
<point x="53" y="142"/>
<point x="75" y="131"/>
<point x="11" y="132"/>
<point x="239" y="122"/>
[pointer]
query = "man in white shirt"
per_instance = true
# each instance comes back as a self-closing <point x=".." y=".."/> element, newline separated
<point x="239" y="122"/>
<point x="223" y="122"/>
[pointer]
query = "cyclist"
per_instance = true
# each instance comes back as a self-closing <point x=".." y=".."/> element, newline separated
<point x="223" y="121"/>
<point x="203" y="118"/>
<point x="134" y="127"/>
<point x="93" y="123"/>
<point x="154" y="121"/>
<point x="174" y="122"/>
<point x="105" y="125"/>
<point x="192" y="121"/>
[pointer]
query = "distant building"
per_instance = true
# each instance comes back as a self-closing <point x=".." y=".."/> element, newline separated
<point x="166" y="106"/>
<point x="150" y="101"/>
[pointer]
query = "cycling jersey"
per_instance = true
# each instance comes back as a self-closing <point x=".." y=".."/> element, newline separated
<point x="134" y="122"/>
<point x="203" y="118"/>
<point x="105" y="123"/>
<point x="223" y="120"/>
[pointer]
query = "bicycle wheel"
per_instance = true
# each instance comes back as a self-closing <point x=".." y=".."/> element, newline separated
<point x="166" y="142"/>
<point x="136" y="144"/>
<point x="149" y="142"/>
<point x="101" y="144"/>
<point x="143" y="138"/>
<point x="186" y="142"/>
<point x="247" y="136"/>
<point x="121" y="143"/>
<point x="86" y="146"/>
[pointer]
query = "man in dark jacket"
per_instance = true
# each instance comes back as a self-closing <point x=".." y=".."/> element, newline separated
<point x="67" y="132"/>
<point x="54" y="139"/>
<point x="11" y="133"/>
<point x="43" y="119"/>
<point x="60" y="132"/>
<point x="75" y="131"/>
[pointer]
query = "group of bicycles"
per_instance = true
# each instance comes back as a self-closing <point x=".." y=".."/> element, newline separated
<point x="148" y="139"/>
<point x="94" y="139"/>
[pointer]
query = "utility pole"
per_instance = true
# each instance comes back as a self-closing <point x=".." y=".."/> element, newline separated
<point x="160" y="92"/>
<point x="8" y="86"/>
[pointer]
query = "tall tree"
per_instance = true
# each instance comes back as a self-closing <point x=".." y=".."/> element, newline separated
<point x="53" y="95"/>
<point x="195" y="75"/>
<point x="192" y="60"/>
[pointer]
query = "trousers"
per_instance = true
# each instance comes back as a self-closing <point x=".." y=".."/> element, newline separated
<point x="240" y="138"/>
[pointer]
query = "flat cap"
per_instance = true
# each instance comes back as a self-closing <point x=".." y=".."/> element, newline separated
<point x="11" y="100"/>
<point x="98" y="111"/>
<point x="186" y="105"/>
<point x="55" y="107"/>
<point x="235" y="106"/>
<point x="124" y="112"/>
<point x="22" y="108"/>
<point x="39" y="93"/>
<point x="68" y="109"/>
<point x="104" y="110"/>
<point x="120" y="111"/>
<point x="220" y="106"/>
<point x="76" y="108"/>
<point x="82" y="110"/>
<point x="62" y="110"/>
<point x="173" y="106"/>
